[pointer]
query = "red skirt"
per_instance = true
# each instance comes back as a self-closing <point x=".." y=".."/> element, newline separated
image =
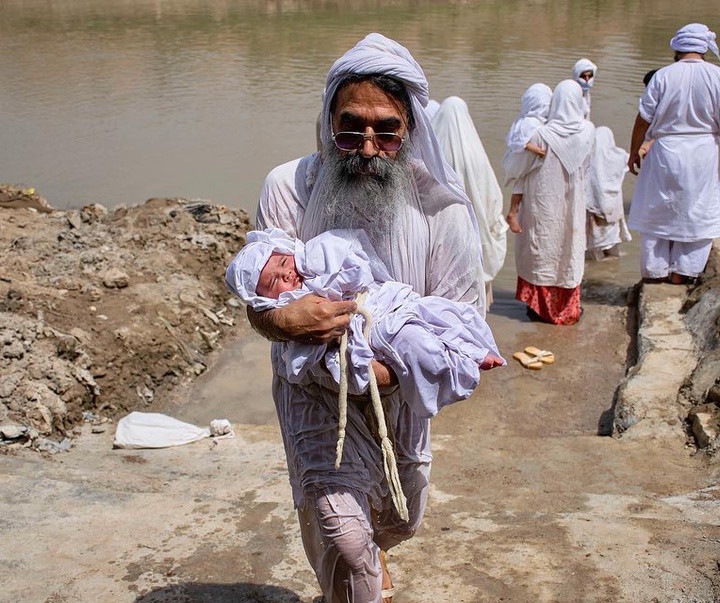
<point x="556" y="305"/>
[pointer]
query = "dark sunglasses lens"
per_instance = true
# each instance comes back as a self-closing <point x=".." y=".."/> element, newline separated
<point x="348" y="141"/>
<point x="388" y="142"/>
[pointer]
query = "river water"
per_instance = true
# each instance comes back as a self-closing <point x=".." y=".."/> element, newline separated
<point x="117" y="102"/>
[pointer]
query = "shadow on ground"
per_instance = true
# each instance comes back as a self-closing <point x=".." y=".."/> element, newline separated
<point x="197" y="592"/>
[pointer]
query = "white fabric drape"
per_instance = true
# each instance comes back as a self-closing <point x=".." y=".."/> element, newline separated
<point x="465" y="153"/>
<point x="607" y="172"/>
<point x="567" y="132"/>
<point x="534" y="107"/>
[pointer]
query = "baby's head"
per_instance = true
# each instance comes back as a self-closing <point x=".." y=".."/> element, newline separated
<point x="278" y="275"/>
<point x="264" y="269"/>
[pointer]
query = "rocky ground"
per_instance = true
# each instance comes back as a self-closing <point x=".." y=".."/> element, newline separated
<point x="103" y="311"/>
<point x="590" y="480"/>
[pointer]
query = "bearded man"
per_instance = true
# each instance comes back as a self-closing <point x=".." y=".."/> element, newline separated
<point x="676" y="202"/>
<point x="380" y="170"/>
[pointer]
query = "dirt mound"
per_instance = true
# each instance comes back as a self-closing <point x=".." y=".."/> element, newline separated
<point x="101" y="311"/>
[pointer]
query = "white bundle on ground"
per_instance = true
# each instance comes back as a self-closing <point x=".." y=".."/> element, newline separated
<point x="155" y="430"/>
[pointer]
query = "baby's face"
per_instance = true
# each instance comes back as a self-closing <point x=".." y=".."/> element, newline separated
<point x="278" y="275"/>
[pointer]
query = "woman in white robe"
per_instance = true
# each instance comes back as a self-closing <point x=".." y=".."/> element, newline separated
<point x="463" y="150"/>
<point x="549" y="216"/>
<point x="583" y="73"/>
<point x="606" y="226"/>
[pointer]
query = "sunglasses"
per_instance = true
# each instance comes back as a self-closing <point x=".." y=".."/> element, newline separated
<point x="383" y="141"/>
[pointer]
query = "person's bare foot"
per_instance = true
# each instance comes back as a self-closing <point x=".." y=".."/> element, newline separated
<point x="681" y="279"/>
<point x="388" y="590"/>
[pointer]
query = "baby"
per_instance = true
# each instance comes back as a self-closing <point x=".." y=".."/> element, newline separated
<point x="435" y="346"/>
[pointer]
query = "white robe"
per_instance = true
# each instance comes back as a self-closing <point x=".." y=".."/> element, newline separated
<point x="465" y="153"/>
<point x="677" y="195"/>
<point x="434" y="256"/>
<point x="606" y="225"/>
<point x="550" y="250"/>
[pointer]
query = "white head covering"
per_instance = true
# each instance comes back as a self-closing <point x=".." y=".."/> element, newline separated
<point x="567" y="132"/>
<point x="432" y="108"/>
<point x="534" y="107"/>
<point x="694" y="37"/>
<point x="243" y="273"/>
<point x="464" y="151"/>
<point x="609" y="166"/>
<point x="376" y="54"/>
<point x="582" y="66"/>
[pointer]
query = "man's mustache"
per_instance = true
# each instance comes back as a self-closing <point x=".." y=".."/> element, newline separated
<point x="357" y="165"/>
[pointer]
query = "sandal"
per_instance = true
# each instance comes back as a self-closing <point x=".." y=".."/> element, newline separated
<point x="388" y="593"/>
<point x="544" y="356"/>
<point x="528" y="361"/>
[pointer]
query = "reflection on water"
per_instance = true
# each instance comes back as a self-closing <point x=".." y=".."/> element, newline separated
<point x="115" y="102"/>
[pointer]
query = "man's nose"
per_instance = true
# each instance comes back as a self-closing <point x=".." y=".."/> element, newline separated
<point x="367" y="148"/>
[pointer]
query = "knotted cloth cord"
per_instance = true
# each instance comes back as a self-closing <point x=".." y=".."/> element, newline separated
<point x="389" y="461"/>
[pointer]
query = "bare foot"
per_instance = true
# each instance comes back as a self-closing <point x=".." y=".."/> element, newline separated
<point x="681" y="279"/>
<point x="388" y="590"/>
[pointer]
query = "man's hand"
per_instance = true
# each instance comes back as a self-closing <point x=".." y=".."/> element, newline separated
<point x="313" y="319"/>
<point x="634" y="163"/>
<point x="310" y="319"/>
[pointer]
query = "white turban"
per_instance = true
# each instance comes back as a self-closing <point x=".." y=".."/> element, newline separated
<point x="378" y="55"/>
<point x="243" y="273"/>
<point x="694" y="37"/>
<point x="582" y="66"/>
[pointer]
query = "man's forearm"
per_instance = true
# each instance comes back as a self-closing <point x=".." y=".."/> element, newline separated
<point x="638" y="134"/>
<point x="266" y="324"/>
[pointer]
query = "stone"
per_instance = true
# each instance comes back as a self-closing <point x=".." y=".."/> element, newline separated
<point x="116" y="279"/>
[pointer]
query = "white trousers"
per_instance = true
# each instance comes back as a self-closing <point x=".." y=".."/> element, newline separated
<point x="343" y="535"/>
<point x="661" y="257"/>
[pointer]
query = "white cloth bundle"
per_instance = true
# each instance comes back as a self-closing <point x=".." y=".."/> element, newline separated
<point x="156" y="430"/>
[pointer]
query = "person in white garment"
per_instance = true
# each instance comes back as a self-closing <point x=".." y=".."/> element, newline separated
<point x="606" y="227"/>
<point x="676" y="202"/>
<point x="432" y="108"/>
<point x="459" y="139"/>
<point x="549" y="213"/>
<point x="521" y="153"/>
<point x="534" y="107"/>
<point x="583" y="73"/>
<point x="381" y="170"/>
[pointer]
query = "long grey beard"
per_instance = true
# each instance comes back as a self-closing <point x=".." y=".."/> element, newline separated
<point x="366" y="194"/>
